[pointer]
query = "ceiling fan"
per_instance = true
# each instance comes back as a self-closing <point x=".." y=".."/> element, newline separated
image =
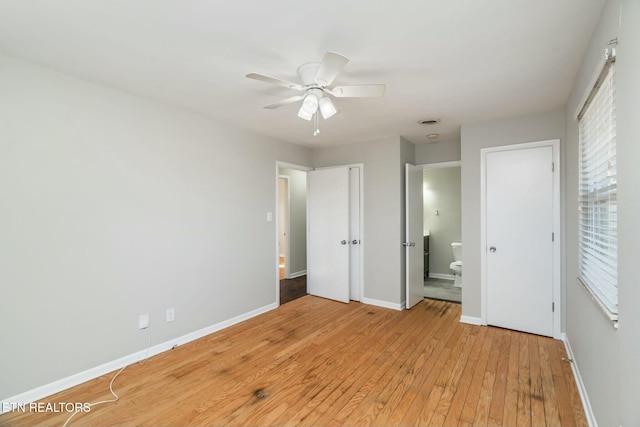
<point x="315" y="78"/>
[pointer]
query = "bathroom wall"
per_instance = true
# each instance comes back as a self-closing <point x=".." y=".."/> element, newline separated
<point x="442" y="216"/>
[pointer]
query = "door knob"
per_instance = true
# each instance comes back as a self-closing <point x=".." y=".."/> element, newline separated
<point x="343" y="242"/>
<point x="355" y="242"/>
<point x="492" y="249"/>
<point x="412" y="243"/>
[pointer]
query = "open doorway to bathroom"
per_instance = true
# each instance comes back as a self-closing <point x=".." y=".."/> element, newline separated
<point x="442" y="226"/>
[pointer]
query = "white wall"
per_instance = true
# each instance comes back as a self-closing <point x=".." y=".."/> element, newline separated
<point x="442" y="194"/>
<point x="535" y="127"/>
<point x="383" y="211"/>
<point x="297" y="219"/>
<point x="112" y="206"/>
<point x="608" y="358"/>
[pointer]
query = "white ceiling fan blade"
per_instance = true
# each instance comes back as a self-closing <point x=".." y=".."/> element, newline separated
<point x="357" y="91"/>
<point x="285" y="102"/>
<point x="330" y="67"/>
<point x="275" y="81"/>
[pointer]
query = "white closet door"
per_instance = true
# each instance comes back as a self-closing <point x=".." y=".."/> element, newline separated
<point x="328" y="243"/>
<point x="354" y="230"/>
<point x="519" y="266"/>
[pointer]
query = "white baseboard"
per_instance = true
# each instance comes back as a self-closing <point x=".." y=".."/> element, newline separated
<point x="84" y="376"/>
<point x="441" y="276"/>
<point x="297" y="274"/>
<point x="471" y="320"/>
<point x="384" y="304"/>
<point x="588" y="410"/>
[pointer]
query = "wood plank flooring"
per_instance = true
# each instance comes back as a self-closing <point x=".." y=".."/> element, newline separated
<point x="315" y="362"/>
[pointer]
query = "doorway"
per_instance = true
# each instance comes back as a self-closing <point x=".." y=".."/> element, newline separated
<point x="442" y="226"/>
<point x="291" y="231"/>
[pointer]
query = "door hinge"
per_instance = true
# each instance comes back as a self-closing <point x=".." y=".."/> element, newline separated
<point x="553" y="307"/>
<point x="553" y="237"/>
<point x="553" y="166"/>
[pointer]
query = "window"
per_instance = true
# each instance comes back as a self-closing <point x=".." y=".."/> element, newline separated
<point x="598" y="222"/>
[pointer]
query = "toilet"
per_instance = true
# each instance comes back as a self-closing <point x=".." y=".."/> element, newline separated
<point x="456" y="265"/>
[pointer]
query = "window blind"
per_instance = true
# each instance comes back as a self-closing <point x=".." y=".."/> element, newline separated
<point x="598" y="217"/>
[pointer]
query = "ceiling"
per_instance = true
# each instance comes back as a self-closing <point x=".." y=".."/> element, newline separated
<point x="460" y="61"/>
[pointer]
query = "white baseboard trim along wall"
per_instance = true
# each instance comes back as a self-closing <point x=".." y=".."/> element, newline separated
<point x="471" y="320"/>
<point x="297" y="274"/>
<point x="82" y="377"/>
<point x="384" y="304"/>
<point x="586" y="404"/>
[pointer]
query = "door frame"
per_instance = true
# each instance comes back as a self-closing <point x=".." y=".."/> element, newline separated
<point x="557" y="247"/>
<point x="362" y="243"/>
<point x="276" y="261"/>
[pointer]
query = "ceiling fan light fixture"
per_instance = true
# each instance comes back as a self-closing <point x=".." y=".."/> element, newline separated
<point x="310" y="103"/>
<point x="304" y="114"/>
<point x="327" y="108"/>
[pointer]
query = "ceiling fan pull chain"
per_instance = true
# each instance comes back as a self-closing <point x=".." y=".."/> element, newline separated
<point x="317" y="123"/>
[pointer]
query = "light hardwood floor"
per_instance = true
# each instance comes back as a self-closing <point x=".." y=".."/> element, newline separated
<point x="323" y="363"/>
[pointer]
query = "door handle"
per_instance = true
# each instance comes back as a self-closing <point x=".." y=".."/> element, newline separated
<point x="343" y="242"/>
<point x="409" y="244"/>
<point x="492" y="249"/>
<point x="355" y="242"/>
<point x="412" y="244"/>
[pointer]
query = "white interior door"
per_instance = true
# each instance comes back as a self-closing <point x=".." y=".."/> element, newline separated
<point x="519" y="227"/>
<point x="414" y="243"/>
<point x="354" y="234"/>
<point x="328" y="242"/>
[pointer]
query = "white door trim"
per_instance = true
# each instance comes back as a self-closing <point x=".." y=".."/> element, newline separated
<point x="279" y="165"/>
<point x="451" y="164"/>
<point x="363" y="240"/>
<point x="557" y="292"/>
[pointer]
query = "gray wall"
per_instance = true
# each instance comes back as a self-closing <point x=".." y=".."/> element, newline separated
<point x="383" y="211"/>
<point x="442" y="193"/>
<point x="437" y="152"/>
<point x="112" y="206"/>
<point x="535" y="127"/>
<point x="608" y="358"/>
<point x="297" y="220"/>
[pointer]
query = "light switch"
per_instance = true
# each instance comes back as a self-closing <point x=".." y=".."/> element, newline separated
<point x="269" y="216"/>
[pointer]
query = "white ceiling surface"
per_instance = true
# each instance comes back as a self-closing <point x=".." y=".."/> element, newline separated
<point x="459" y="60"/>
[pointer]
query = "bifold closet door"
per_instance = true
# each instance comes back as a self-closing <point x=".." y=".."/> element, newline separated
<point x="328" y="238"/>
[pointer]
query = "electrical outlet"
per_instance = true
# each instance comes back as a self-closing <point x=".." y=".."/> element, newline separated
<point x="171" y="314"/>
<point x="143" y="321"/>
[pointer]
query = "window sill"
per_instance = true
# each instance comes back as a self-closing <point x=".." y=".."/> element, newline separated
<point x="613" y="317"/>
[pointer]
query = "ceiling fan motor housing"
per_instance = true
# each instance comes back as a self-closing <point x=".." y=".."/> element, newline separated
<point x="307" y="74"/>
